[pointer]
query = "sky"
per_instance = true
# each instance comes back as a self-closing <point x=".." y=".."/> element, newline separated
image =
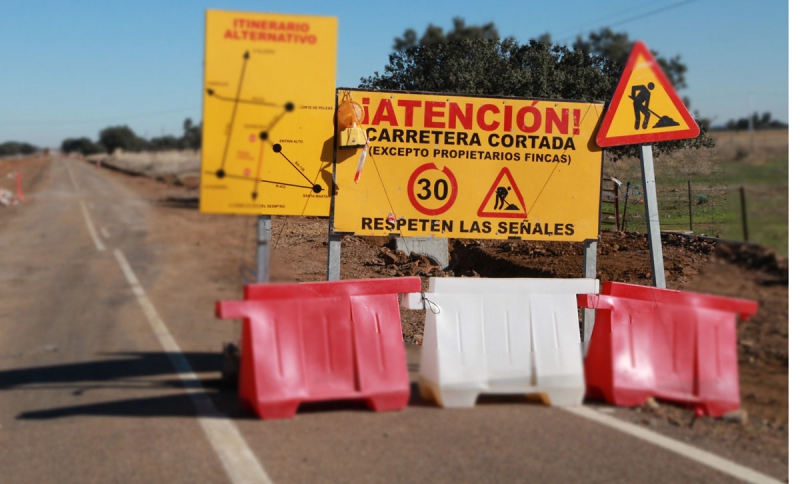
<point x="70" y="69"/>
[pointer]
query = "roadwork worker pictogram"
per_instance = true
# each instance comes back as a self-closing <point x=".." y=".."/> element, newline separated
<point x="500" y="199"/>
<point x="641" y="108"/>
<point x="641" y="103"/>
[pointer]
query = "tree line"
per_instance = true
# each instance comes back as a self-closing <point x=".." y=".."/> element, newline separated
<point x="10" y="148"/>
<point x="123" y="137"/>
<point x="764" y="121"/>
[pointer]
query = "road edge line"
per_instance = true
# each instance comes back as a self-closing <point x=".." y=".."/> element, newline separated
<point x="71" y="176"/>
<point x="698" y="455"/>
<point x="237" y="458"/>
<point x="97" y="242"/>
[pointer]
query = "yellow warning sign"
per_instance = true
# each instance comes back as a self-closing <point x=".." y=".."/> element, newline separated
<point x="460" y="166"/>
<point x="267" y="114"/>
<point x="506" y="196"/>
<point x="645" y="107"/>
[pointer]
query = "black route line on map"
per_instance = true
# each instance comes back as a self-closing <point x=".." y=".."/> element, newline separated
<point x="291" y="185"/>
<point x="221" y="171"/>
<point x="277" y="148"/>
<point x="264" y="136"/>
<point x="287" y="108"/>
<point x="249" y="178"/>
<point x="211" y="92"/>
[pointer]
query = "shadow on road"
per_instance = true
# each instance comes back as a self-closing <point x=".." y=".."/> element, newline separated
<point x="120" y="372"/>
<point x="121" y="367"/>
<point x="146" y="372"/>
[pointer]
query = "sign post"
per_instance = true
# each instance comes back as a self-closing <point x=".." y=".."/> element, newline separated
<point x="651" y="214"/>
<point x="334" y="239"/>
<point x="589" y="272"/>
<point x="644" y="109"/>
<point x="334" y="257"/>
<point x="264" y="238"/>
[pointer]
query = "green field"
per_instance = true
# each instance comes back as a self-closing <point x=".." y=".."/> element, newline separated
<point x="759" y="164"/>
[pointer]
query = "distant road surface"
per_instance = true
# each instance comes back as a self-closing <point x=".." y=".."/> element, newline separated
<point x="109" y="372"/>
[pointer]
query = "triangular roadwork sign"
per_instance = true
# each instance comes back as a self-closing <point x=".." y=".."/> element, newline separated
<point x="506" y="199"/>
<point x="645" y="107"/>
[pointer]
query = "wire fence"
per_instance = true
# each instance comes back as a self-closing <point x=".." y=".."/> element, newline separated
<point x="691" y="188"/>
<point x="697" y="207"/>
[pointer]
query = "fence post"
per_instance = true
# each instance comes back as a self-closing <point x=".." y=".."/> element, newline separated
<point x="625" y="207"/>
<point x="691" y="222"/>
<point x="744" y="215"/>
<point x="616" y="205"/>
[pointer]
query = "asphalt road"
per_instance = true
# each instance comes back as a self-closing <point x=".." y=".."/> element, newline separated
<point x="109" y="372"/>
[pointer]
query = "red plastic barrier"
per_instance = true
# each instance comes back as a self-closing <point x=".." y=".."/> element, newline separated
<point x="673" y="345"/>
<point x="321" y="341"/>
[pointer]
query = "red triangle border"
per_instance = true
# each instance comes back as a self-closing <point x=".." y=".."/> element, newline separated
<point x="602" y="138"/>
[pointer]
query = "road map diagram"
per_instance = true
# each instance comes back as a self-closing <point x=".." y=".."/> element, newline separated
<point x="268" y="109"/>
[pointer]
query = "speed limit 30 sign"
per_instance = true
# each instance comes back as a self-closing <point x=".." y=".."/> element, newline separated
<point x="432" y="191"/>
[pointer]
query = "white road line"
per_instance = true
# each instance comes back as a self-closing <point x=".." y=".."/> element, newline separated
<point x="685" y="450"/>
<point x="105" y="233"/>
<point x="238" y="460"/>
<point x="71" y="176"/>
<point x="97" y="242"/>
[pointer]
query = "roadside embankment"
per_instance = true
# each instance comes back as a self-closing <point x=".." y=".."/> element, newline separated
<point x="174" y="167"/>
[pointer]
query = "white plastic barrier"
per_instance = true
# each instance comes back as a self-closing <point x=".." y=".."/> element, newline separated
<point x="503" y="336"/>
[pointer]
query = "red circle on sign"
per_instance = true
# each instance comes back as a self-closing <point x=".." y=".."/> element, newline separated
<point x="412" y="196"/>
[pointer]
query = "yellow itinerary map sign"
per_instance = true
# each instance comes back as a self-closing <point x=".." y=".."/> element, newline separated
<point x="268" y="108"/>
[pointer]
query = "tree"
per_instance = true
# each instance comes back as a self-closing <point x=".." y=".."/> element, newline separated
<point x="435" y="35"/>
<point x="508" y="68"/>
<point x="122" y="137"/>
<point x="192" y="135"/>
<point x="17" y="148"/>
<point x="164" y="143"/>
<point x="765" y="121"/>
<point x="616" y="46"/>
<point x="498" y="68"/>
<point x="84" y="146"/>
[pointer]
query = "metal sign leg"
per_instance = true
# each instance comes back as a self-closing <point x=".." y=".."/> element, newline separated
<point x="589" y="271"/>
<point x="651" y="214"/>
<point x="334" y="256"/>
<point x="264" y="238"/>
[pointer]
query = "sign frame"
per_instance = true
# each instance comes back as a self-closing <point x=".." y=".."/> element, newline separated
<point x="586" y="115"/>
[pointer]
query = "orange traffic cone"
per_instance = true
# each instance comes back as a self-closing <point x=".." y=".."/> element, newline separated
<point x="20" y="195"/>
